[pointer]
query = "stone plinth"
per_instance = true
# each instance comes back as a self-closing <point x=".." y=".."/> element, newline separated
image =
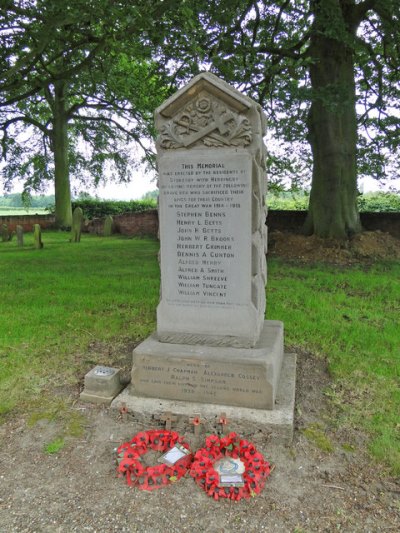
<point x="246" y="377"/>
<point x="102" y="384"/>
<point x="276" y="424"/>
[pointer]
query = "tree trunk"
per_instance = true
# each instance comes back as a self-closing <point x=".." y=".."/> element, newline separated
<point x="63" y="210"/>
<point x="332" y="128"/>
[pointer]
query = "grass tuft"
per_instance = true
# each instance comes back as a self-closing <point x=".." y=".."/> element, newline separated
<point x="317" y="436"/>
<point x="54" y="446"/>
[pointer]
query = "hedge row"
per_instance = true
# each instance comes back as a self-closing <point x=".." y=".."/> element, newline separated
<point x="370" y="202"/>
<point x="101" y="208"/>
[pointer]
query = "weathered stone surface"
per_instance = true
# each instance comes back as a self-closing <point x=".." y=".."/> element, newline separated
<point x="245" y="377"/>
<point x="102" y="384"/>
<point x="37" y="236"/>
<point x="211" y="207"/>
<point x="77" y="223"/>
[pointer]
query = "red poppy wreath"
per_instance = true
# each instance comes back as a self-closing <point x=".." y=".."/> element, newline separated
<point x="229" y="467"/>
<point x="177" y="459"/>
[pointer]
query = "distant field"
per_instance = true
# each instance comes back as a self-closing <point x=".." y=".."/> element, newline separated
<point x="15" y="211"/>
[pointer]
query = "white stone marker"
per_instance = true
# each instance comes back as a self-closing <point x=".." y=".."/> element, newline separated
<point x="212" y="343"/>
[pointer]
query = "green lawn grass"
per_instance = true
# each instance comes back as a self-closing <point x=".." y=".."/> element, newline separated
<point x="351" y="317"/>
<point x="56" y="302"/>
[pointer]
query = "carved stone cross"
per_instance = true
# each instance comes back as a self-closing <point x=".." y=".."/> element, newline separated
<point x="219" y="123"/>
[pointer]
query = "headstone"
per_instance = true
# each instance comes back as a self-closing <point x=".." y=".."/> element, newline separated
<point x="77" y="222"/>
<point x="20" y="236"/>
<point x="108" y="226"/>
<point x="37" y="236"/>
<point x="212" y="344"/>
<point x="4" y="233"/>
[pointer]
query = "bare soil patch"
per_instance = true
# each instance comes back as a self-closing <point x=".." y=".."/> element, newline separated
<point x="309" y="490"/>
<point x="365" y="247"/>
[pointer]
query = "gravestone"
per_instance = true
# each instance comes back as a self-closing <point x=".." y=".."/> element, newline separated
<point x="76" y="228"/>
<point x="108" y="226"/>
<point x="37" y="236"/>
<point x="20" y="236"/>
<point x="212" y="343"/>
<point x="4" y="233"/>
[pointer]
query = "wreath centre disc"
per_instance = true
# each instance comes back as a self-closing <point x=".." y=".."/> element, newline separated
<point x="229" y="465"/>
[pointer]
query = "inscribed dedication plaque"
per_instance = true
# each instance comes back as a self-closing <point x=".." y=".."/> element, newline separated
<point x="205" y="231"/>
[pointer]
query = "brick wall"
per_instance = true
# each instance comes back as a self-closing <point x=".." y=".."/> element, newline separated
<point x="138" y="223"/>
<point x="146" y="223"/>
<point x="27" y="221"/>
<point x="130" y="224"/>
<point x="294" y="220"/>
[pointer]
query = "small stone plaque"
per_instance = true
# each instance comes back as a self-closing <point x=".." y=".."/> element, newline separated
<point x="102" y="384"/>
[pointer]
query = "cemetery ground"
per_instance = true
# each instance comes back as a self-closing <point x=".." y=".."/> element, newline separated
<point x="70" y="306"/>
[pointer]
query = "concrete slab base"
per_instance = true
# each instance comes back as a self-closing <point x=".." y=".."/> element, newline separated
<point x="276" y="423"/>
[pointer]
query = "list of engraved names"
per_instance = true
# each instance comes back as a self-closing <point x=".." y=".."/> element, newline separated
<point x="206" y="210"/>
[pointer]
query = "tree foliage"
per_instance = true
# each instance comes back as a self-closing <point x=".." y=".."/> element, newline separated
<point x="78" y="83"/>
<point x="326" y="72"/>
<point x="81" y="80"/>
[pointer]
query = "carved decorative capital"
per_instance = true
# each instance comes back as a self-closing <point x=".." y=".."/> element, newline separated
<point x="206" y="121"/>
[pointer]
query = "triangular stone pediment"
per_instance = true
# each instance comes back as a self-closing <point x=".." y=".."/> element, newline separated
<point x="205" y="112"/>
<point x="214" y="86"/>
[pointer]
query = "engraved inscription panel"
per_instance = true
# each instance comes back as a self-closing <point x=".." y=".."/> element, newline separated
<point x="205" y="210"/>
<point x="202" y="381"/>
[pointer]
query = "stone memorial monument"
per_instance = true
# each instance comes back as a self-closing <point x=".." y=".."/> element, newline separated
<point x="212" y="343"/>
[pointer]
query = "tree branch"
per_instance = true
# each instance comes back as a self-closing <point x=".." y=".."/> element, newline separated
<point x="20" y="97"/>
<point x="27" y="120"/>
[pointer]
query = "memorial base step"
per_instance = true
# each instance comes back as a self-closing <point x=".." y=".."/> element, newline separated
<point x="275" y="425"/>
<point x="244" y="377"/>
